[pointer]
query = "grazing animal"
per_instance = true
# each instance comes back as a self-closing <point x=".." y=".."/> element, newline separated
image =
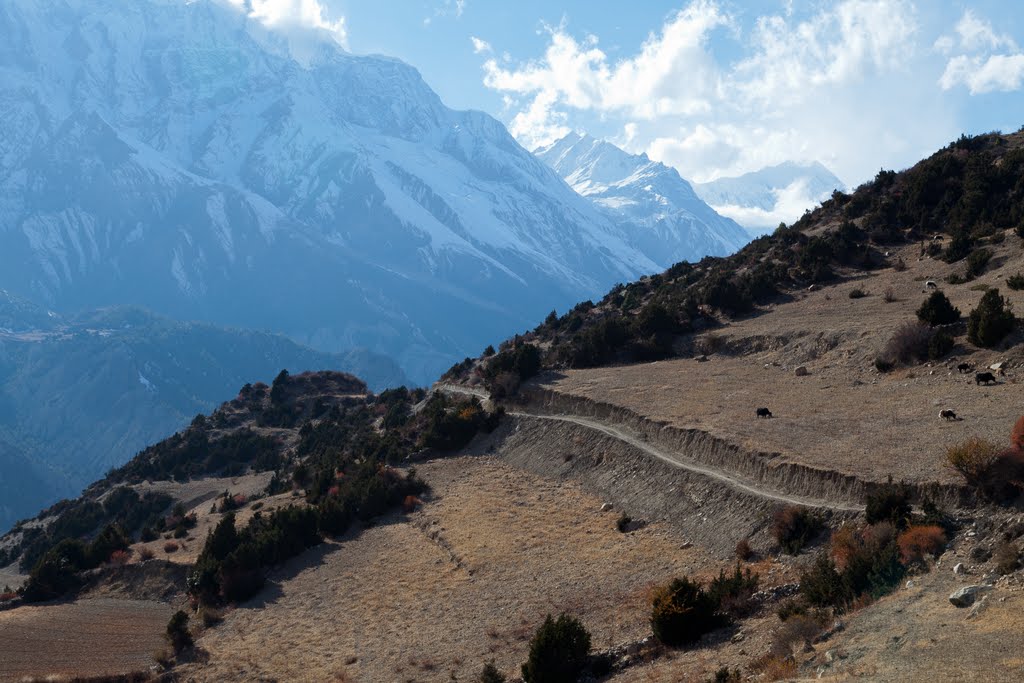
<point x="948" y="414"/>
<point x="964" y="367"/>
<point x="985" y="377"/>
<point x="931" y="284"/>
<point x="764" y="412"/>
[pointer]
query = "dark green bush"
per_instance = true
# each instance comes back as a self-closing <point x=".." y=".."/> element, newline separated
<point x="683" y="611"/>
<point x="937" y="310"/>
<point x="940" y="345"/>
<point x="178" y="634"/>
<point x="890" y="503"/>
<point x="991" y="321"/>
<point x="559" y="651"/>
<point x="977" y="262"/>
<point x="1015" y="282"/>
<point x="857" y="293"/>
<point x="490" y="674"/>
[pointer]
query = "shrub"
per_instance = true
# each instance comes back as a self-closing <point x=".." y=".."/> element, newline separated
<point x="884" y="365"/>
<point x="178" y="634"/>
<point x="857" y="293"/>
<point x="937" y="310"/>
<point x="119" y="558"/>
<point x="682" y="612"/>
<point x="822" y="585"/>
<point x="1015" y="282"/>
<point x="775" y="668"/>
<point x="794" y="634"/>
<point x="973" y="459"/>
<point x="890" y="503"/>
<point x="940" y="345"/>
<point x="622" y="524"/>
<point x="146" y="553"/>
<point x="726" y="675"/>
<point x="991" y="320"/>
<point x="977" y="262"/>
<point x="889" y="295"/>
<point x="743" y="550"/>
<point x="733" y="592"/>
<point x="171" y="547"/>
<point x="909" y="344"/>
<point x="900" y="265"/>
<point x="490" y="674"/>
<point x="793" y="527"/>
<point x="558" y="651"/>
<point x="918" y="542"/>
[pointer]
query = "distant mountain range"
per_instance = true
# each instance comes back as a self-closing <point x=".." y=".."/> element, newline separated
<point x="82" y="394"/>
<point x="761" y="200"/>
<point x="669" y="221"/>
<point x="176" y="156"/>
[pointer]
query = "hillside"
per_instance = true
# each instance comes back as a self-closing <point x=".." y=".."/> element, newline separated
<point x="81" y="394"/>
<point x="588" y="467"/>
<point x="330" y="197"/>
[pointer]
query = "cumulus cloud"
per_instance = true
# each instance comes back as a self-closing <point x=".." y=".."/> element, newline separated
<point x="672" y="74"/>
<point x="799" y="78"/>
<point x="480" y="46"/>
<point x="288" y="15"/>
<point x="790" y="204"/>
<point x="856" y="39"/>
<point x="987" y="61"/>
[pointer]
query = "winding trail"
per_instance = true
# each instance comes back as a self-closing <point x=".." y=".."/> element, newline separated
<point x="674" y="459"/>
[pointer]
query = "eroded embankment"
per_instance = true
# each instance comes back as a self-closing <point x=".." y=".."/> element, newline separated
<point x="768" y="472"/>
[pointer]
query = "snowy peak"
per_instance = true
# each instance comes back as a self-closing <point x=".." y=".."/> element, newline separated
<point x="762" y="199"/>
<point x="659" y="209"/>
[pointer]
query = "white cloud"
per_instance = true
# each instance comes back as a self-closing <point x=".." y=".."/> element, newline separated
<point x="1003" y="73"/>
<point x="849" y="43"/>
<point x="979" y="67"/>
<point x="480" y="46"/>
<point x="978" y="34"/>
<point x="829" y="84"/>
<point x="673" y="73"/>
<point x="790" y="204"/>
<point x="287" y="15"/>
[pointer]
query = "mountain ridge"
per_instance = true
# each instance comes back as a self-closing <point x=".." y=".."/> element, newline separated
<point x="229" y="183"/>
<point x="670" y="222"/>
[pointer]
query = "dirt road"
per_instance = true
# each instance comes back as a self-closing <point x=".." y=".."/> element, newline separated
<point x="674" y="459"/>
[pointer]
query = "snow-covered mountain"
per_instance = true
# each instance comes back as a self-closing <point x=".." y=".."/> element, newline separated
<point x="762" y="199"/>
<point x="667" y="221"/>
<point x="174" y="154"/>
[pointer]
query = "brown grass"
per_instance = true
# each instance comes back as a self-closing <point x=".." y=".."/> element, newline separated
<point x="844" y="416"/>
<point x="467" y="579"/>
<point x="97" y="637"/>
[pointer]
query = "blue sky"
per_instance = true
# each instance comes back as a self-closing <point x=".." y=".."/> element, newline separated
<point x="715" y="87"/>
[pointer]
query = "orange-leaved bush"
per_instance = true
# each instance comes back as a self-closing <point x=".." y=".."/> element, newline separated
<point x="918" y="542"/>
